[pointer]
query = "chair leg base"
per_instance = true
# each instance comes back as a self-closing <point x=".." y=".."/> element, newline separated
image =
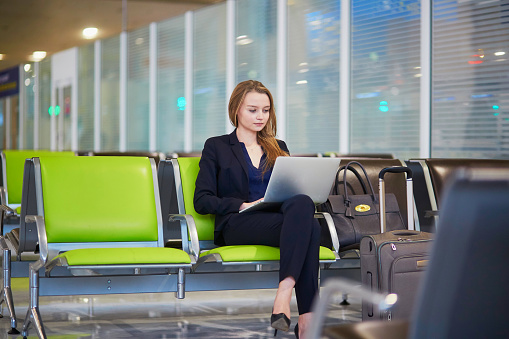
<point x="33" y="318"/>
<point x="13" y="331"/>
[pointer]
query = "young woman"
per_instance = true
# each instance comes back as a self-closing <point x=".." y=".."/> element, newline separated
<point x="234" y="172"/>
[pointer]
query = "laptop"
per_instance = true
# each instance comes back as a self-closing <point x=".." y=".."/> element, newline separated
<point x="298" y="175"/>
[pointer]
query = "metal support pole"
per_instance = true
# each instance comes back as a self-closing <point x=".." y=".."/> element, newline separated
<point x="181" y="281"/>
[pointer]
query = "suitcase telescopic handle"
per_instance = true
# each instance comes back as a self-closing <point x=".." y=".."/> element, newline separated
<point x="409" y="195"/>
<point x="399" y="169"/>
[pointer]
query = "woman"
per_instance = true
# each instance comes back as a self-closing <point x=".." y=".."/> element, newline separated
<point x="234" y="172"/>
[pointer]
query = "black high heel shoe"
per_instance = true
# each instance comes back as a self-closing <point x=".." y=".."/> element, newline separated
<point x="279" y="322"/>
<point x="296" y="331"/>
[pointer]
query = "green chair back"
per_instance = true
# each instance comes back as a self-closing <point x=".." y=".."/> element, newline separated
<point x="99" y="199"/>
<point x="189" y="168"/>
<point x="13" y="162"/>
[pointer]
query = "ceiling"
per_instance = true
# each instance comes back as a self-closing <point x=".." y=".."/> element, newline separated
<point x="55" y="25"/>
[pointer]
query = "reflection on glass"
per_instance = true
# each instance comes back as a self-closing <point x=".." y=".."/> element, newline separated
<point x="313" y="76"/>
<point x="385" y="79"/>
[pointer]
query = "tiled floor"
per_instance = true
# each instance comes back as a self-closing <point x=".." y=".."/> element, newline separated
<point x="227" y="314"/>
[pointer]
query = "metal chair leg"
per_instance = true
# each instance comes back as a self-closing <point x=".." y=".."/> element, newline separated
<point x="181" y="282"/>
<point x="26" y="324"/>
<point x="33" y="314"/>
<point x="7" y="292"/>
<point x="36" y="315"/>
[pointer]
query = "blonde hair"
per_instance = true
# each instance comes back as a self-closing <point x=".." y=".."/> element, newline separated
<point x="267" y="136"/>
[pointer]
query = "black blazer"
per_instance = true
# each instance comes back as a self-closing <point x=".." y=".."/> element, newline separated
<point x="222" y="184"/>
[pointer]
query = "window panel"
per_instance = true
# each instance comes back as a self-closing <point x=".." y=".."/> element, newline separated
<point x="209" y="81"/>
<point x="138" y="90"/>
<point x="45" y="103"/>
<point x="385" y="86"/>
<point x="2" y="122"/>
<point x="28" y="118"/>
<point x="313" y="76"/>
<point x="110" y="94"/>
<point x="255" y="44"/>
<point x="171" y="101"/>
<point x="86" y="97"/>
<point x="470" y="79"/>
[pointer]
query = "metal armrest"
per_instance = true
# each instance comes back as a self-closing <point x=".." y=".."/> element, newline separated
<point x="41" y="234"/>
<point x="8" y="211"/>
<point x="331" y="227"/>
<point x="3" y="196"/>
<point x="187" y="224"/>
<point x="3" y="244"/>
<point x="430" y="214"/>
<point x="341" y="285"/>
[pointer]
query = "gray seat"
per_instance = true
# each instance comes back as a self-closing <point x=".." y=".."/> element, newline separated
<point x="464" y="292"/>
<point x="431" y="176"/>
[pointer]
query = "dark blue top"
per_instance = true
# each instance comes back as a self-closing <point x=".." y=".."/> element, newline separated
<point x="257" y="183"/>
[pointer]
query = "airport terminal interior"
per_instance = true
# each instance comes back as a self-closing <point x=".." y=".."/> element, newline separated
<point x="90" y="87"/>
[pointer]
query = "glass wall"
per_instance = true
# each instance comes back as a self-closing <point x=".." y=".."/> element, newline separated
<point x="255" y="42"/>
<point x="44" y="104"/>
<point x="137" y="90"/>
<point x="469" y="78"/>
<point x="2" y="123"/>
<point x="385" y="85"/>
<point x="470" y="102"/>
<point x="110" y="93"/>
<point x="313" y="76"/>
<point x="28" y="82"/>
<point x="86" y="97"/>
<point x="171" y="101"/>
<point x="209" y="98"/>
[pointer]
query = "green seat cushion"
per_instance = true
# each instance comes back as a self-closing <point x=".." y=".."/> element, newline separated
<point x="326" y="254"/>
<point x="18" y="210"/>
<point x="189" y="168"/>
<point x="246" y="253"/>
<point x="98" y="199"/>
<point x="125" y="256"/>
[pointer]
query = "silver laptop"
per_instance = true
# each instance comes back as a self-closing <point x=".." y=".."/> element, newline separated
<point x="298" y="175"/>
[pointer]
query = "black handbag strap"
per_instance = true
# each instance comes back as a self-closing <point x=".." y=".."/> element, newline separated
<point x="348" y="211"/>
<point x="335" y="190"/>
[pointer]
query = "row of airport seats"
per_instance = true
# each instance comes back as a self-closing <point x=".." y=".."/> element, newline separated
<point x="99" y="230"/>
<point x="243" y="266"/>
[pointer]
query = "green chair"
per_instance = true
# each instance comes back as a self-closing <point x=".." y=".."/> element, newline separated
<point x="21" y="240"/>
<point x="198" y="231"/>
<point x="12" y="174"/>
<point x="99" y="226"/>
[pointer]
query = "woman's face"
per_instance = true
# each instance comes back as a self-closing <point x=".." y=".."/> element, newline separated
<point x="253" y="113"/>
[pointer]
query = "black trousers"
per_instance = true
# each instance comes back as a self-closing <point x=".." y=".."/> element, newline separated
<point x="295" y="231"/>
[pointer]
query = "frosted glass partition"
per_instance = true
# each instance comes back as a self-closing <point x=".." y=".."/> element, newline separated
<point x="313" y="76"/>
<point x="470" y="79"/>
<point x="209" y="99"/>
<point x="255" y="42"/>
<point x="29" y="100"/>
<point x="385" y="77"/>
<point x="110" y="91"/>
<point x="171" y="101"/>
<point x="86" y="97"/>
<point x="2" y="123"/>
<point x="45" y="103"/>
<point x="138" y="90"/>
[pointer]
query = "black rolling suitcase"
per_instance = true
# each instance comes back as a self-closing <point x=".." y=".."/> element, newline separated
<point x="394" y="262"/>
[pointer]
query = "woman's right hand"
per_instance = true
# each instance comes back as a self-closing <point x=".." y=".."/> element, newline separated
<point x="247" y="204"/>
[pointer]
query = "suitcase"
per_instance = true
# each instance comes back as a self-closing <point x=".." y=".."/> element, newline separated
<point x="394" y="262"/>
